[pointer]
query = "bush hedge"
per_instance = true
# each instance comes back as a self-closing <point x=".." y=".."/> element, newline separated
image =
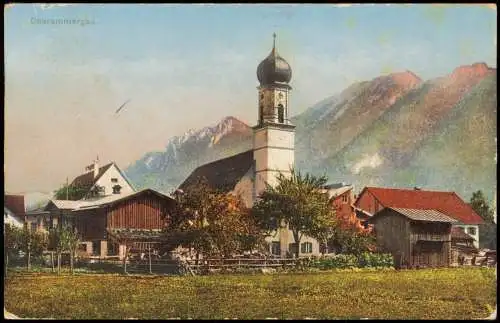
<point x="364" y="260"/>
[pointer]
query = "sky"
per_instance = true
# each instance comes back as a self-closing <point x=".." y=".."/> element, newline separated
<point x="188" y="66"/>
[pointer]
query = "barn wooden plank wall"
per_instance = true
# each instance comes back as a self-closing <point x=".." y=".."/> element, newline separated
<point x="439" y="235"/>
<point x="414" y="243"/>
<point x="392" y="234"/>
<point x="142" y="212"/>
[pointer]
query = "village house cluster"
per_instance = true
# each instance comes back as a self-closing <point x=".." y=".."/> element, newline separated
<point x="418" y="227"/>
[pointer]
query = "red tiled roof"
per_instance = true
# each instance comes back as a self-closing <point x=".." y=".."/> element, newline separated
<point x="15" y="203"/>
<point x="448" y="203"/>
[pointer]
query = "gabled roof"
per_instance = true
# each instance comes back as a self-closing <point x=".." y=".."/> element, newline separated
<point x="115" y="198"/>
<point x="337" y="191"/>
<point x="222" y="174"/>
<point x="66" y="204"/>
<point x="423" y="215"/>
<point x="448" y="203"/>
<point x="15" y="203"/>
<point x="87" y="179"/>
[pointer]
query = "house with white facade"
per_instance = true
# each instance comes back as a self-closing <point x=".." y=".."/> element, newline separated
<point x="97" y="183"/>
<point x="103" y="180"/>
<point x="247" y="173"/>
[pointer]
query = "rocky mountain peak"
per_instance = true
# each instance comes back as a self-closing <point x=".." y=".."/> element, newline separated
<point x="406" y="79"/>
<point x="474" y="70"/>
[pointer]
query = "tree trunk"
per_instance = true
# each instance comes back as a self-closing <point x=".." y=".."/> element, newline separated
<point x="125" y="260"/>
<point x="52" y="261"/>
<point x="71" y="261"/>
<point x="297" y="243"/>
<point x="29" y="260"/>
<point x="6" y="263"/>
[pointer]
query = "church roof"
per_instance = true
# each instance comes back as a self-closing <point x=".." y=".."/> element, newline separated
<point x="222" y="174"/>
<point x="274" y="68"/>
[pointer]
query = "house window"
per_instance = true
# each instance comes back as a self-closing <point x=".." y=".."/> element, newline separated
<point x="96" y="248"/>
<point x="344" y="198"/>
<point x="112" y="249"/>
<point x="471" y="231"/>
<point x="306" y="247"/>
<point x="114" y="180"/>
<point x="275" y="248"/>
<point x="54" y="222"/>
<point x="281" y="114"/>
<point x="116" y="189"/>
<point x="33" y="226"/>
<point x="292" y="247"/>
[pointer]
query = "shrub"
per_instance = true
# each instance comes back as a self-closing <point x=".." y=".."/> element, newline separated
<point x="366" y="259"/>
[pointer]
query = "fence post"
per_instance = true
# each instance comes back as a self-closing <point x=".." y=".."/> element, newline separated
<point x="149" y="251"/>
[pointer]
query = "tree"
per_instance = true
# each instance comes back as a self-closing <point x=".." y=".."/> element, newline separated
<point x="211" y="222"/>
<point x="352" y="241"/>
<point x="62" y="239"/>
<point x="12" y="246"/>
<point x="488" y="230"/>
<point x="71" y="192"/>
<point x="73" y="241"/>
<point x="480" y="205"/>
<point x="298" y="203"/>
<point x="32" y="243"/>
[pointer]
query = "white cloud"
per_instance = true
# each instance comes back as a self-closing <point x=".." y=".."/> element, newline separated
<point x="372" y="161"/>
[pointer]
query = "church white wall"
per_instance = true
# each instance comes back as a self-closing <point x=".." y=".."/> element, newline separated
<point x="274" y="137"/>
<point x="279" y="159"/>
<point x="105" y="181"/>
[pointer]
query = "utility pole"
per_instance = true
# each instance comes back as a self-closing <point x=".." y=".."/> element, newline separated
<point x="67" y="189"/>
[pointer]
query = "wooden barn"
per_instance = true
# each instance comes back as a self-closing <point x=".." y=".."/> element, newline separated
<point x="111" y="225"/>
<point x="416" y="238"/>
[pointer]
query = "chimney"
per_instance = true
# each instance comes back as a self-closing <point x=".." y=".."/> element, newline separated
<point x="96" y="167"/>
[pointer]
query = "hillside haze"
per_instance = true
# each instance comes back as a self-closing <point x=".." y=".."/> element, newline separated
<point x="395" y="130"/>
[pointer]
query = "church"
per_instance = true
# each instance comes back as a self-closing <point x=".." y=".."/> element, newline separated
<point x="247" y="173"/>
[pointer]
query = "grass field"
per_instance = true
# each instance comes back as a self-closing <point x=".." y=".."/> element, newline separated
<point x="464" y="293"/>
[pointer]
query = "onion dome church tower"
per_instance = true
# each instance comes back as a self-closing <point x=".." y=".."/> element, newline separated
<point x="274" y="135"/>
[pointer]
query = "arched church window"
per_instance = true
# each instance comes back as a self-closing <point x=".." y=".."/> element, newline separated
<point x="261" y="114"/>
<point x="281" y="113"/>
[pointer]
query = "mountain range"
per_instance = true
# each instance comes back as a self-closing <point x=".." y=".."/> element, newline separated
<point x="393" y="131"/>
